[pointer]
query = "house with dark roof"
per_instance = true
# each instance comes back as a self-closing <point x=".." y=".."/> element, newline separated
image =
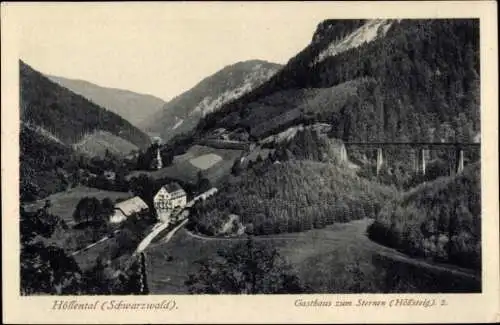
<point x="127" y="208"/>
<point x="170" y="198"/>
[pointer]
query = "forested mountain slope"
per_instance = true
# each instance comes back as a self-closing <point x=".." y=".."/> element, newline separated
<point x="66" y="115"/>
<point x="440" y="220"/>
<point x="401" y="80"/>
<point x="56" y="128"/>
<point x="284" y="197"/>
<point x="41" y="161"/>
<point x="182" y="113"/>
<point x="132" y="106"/>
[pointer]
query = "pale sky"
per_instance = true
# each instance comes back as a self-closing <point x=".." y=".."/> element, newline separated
<point x="161" y="49"/>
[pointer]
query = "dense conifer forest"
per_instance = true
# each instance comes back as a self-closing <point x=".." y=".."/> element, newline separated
<point x="41" y="163"/>
<point x="440" y="220"/>
<point x="292" y="196"/>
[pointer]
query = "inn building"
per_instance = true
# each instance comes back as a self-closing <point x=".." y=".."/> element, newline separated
<point x="169" y="200"/>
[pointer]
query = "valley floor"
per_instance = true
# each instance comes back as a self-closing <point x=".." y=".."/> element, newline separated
<point x="337" y="259"/>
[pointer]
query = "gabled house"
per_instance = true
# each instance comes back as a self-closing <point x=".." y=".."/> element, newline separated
<point x="127" y="208"/>
<point x="169" y="199"/>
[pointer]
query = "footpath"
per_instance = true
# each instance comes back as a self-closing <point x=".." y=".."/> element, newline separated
<point x="102" y="240"/>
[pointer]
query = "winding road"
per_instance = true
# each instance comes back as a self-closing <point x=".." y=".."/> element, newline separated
<point x="155" y="232"/>
<point x="268" y="237"/>
<point x="159" y="227"/>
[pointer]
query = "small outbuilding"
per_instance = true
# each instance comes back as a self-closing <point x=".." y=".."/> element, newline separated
<point x="127" y="208"/>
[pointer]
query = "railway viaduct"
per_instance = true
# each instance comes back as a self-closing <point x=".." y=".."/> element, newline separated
<point x="421" y="150"/>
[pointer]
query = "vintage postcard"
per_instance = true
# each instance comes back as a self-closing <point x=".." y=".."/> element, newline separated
<point x="269" y="162"/>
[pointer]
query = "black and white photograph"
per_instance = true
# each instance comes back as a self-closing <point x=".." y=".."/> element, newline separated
<point x="259" y="156"/>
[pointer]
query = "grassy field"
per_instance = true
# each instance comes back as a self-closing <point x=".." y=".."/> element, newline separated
<point x="182" y="171"/>
<point x="63" y="204"/>
<point x="98" y="142"/>
<point x="183" y="168"/>
<point x="336" y="259"/>
<point x="205" y="161"/>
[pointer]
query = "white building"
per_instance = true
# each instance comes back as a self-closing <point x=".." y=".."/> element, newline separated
<point x="126" y="208"/>
<point x="170" y="197"/>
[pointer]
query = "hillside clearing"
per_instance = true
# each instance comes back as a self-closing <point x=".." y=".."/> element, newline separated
<point x="206" y="161"/>
<point x="97" y="143"/>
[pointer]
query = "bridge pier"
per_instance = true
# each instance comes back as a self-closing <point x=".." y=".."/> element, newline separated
<point x="457" y="162"/>
<point x="459" y="154"/>
<point x="421" y="161"/>
<point x="343" y="154"/>
<point x="425" y="156"/>
<point x="380" y="160"/>
<point x="421" y="153"/>
<point x="415" y="160"/>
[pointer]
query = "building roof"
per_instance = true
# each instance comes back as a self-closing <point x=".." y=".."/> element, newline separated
<point x="130" y="206"/>
<point x="118" y="215"/>
<point x="173" y="187"/>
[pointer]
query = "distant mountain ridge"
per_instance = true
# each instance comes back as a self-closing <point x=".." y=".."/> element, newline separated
<point x="132" y="106"/>
<point x="66" y="115"/>
<point x="182" y="113"/>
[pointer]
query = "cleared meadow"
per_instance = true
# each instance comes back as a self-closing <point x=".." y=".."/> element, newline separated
<point x="214" y="163"/>
<point x="206" y="161"/>
<point x="337" y="259"/>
